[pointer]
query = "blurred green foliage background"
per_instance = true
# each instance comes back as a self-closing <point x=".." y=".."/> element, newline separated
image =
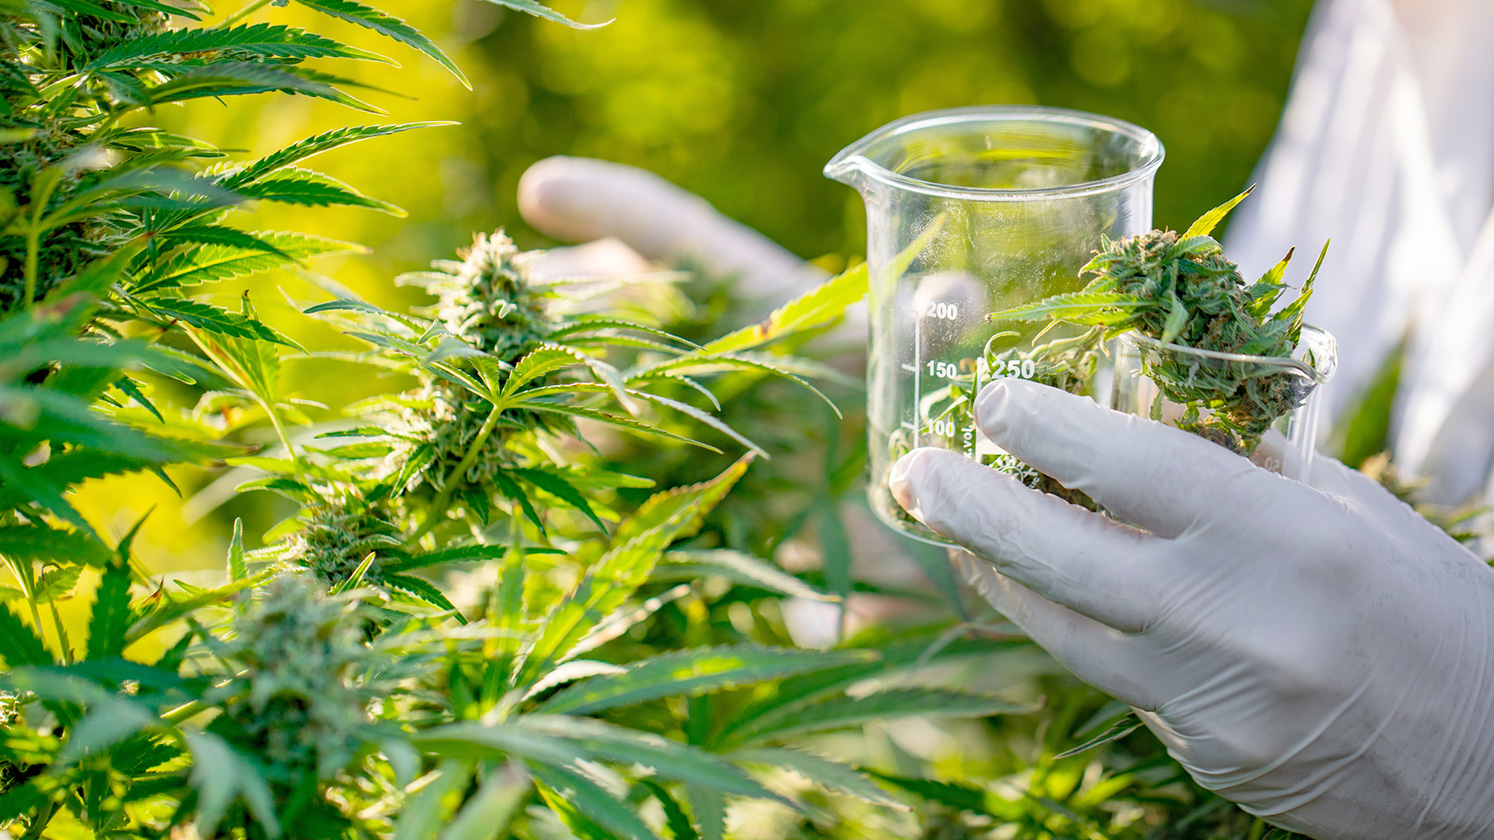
<point x="741" y="101"/>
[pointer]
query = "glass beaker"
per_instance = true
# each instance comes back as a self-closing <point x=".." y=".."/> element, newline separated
<point x="971" y="211"/>
<point x="1229" y="398"/>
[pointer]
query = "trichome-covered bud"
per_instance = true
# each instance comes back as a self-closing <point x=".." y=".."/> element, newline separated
<point x="335" y="537"/>
<point x="306" y="680"/>
<point x="488" y="298"/>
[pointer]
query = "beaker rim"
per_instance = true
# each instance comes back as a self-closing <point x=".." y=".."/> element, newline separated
<point x="1320" y="371"/>
<point x="853" y="158"/>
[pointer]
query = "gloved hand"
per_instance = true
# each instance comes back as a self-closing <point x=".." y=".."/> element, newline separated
<point x="582" y="200"/>
<point x="1320" y="654"/>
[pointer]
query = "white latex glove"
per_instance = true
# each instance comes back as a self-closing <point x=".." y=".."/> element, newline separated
<point x="580" y="199"/>
<point x="1319" y="654"/>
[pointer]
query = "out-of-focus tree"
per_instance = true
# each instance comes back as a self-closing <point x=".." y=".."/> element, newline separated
<point x="742" y="101"/>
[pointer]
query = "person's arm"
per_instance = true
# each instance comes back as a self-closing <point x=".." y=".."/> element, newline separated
<point x="1321" y="654"/>
<point x="581" y="199"/>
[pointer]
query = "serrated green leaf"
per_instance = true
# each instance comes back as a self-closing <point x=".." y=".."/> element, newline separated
<point x="1123" y="726"/>
<point x="132" y="389"/>
<point x="423" y="590"/>
<point x="586" y="808"/>
<point x="263" y="39"/>
<point x="237" y="570"/>
<point x="627" y="424"/>
<point x="28" y="484"/>
<point x="449" y="555"/>
<point x="533" y="7"/>
<point x="1208" y="221"/>
<point x="594" y="323"/>
<point x="686" y="409"/>
<point x="492" y="807"/>
<point x="67" y="419"/>
<point x="167" y="608"/>
<point x="695" y="672"/>
<point x="822" y="771"/>
<point x="387" y="25"/>
<point x="951" y="794"/>
<point x="763" y="363"/>
<point x="250" y="364"/>
<point x="817" y="307"/>
<point x="745" y="569"/>
<point x="897" y="651"/>
<point x="510" y="489"/>
<point x="65" y="469"/>
<point x="19" y="644"/>
<point x="313" y="146"/>
<point x="637" y="544"/>
<point x="290" y="185"/>
<point x="560" y="489"/>
<point x="1081" y="307"/>
<point x="111" y="615"/>
<point x="225" y="78"/>
<point x="110" y="717"/>
<point x="27" y="543"/>
<point x="843" y="712"/>
<point x="219" y="235"/>
<point x="57" y="582"/>
<point x="1292" y="313"/>
<point x="559" y="739"/>
<point x="219" y="263"/>
<point x="538" y="363"/>
<point x="213" y="319"/>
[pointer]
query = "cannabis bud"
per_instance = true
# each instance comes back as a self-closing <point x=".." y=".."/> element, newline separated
<point x="489" y="301"/>
<point x="10" y="712"/>
<point x="1181" y="293"/>
<point x="336" y="535"/>
<point x="306" y="680"/>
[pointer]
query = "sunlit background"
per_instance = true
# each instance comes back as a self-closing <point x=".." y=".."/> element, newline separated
<point x="741" y="101"/>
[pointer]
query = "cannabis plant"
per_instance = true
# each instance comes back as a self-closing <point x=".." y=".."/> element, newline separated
<point x="442" y="638"/>
<point x="1180" y="291"/>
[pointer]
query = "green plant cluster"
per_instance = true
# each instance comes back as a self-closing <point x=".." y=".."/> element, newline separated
<point x="1181" y="293"/>
<point x="441" y="640"/>
<point x="479" y="618"/>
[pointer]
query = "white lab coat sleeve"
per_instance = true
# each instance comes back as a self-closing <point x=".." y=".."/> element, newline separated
<point x="1387" y="148"/>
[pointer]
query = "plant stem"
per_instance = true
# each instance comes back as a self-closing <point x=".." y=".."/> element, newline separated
<point x="248" y="10"/>
<point x="67" y="654"/>
<point x="290" y="450"/>
<point x="442" y="502"/>
<point x="33" y="245"/>
<point x="28" y="589"/>
<point x="184" y="712"/>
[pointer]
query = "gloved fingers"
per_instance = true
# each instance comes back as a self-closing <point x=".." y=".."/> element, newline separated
<point x="579" y="199"/>
<point x="599" y="258"/>
<point x="1097" y="567"/>
<point x="1156" y="477"/>
<point x="1102" y="656"/>
<point x="1380" y="506"/>
<point x="1332" y="477"/>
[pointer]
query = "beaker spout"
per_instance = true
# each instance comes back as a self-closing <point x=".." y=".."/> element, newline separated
<point x="849" y="169"/>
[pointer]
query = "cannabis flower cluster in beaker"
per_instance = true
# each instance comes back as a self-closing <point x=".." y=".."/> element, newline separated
<point x="971" y="211"/>
<point x="1231" y="399"/>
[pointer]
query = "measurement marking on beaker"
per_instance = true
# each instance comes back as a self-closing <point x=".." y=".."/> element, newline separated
<point x="917" y="376"/>
<point x="910" y="368"/>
